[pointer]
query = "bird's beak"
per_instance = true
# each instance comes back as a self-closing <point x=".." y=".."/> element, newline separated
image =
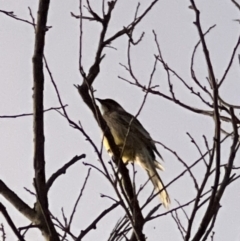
<point x="99" y="100"/>
<point x="101" y="105"/>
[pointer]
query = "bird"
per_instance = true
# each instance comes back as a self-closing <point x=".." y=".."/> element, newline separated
<point x="134" y="142"/>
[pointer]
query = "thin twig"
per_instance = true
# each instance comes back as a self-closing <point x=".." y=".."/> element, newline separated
<point x="93" y="225"/>
<point x="230" y="62"/>
<point x="78" y="198"/>
<point x="63" y="170"/>
<point x="31" y="114"/>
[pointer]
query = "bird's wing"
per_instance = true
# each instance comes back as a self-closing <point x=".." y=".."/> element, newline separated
<point x="138" y="128"/>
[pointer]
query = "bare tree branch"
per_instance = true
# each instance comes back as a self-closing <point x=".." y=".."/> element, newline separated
<point x="79" y="197"/>
<point x="2" y="230"/>
<point x="12" y="15"/>
<point x="20" y="205"/>
<point x="10" y="222"/>
<point x="230" y="62"/>
<point x="63" y="170"/>
<point x="29" y="114"/>
<point x="93" y="225"/>
<point x="236" y="4"/>
<point x="47" y="226"/>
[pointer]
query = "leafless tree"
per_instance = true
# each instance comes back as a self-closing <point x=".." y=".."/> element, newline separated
<point x="209" y="189"/>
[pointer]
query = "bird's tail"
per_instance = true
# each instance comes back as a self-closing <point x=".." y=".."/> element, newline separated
<point x="159" y="187"/>
<point x="149" y="166"/>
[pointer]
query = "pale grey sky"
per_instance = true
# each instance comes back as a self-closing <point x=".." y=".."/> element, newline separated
<point x="173" y="22"/>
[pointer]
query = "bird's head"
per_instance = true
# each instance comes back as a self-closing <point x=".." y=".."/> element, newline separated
<point x="109" y="105"/>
